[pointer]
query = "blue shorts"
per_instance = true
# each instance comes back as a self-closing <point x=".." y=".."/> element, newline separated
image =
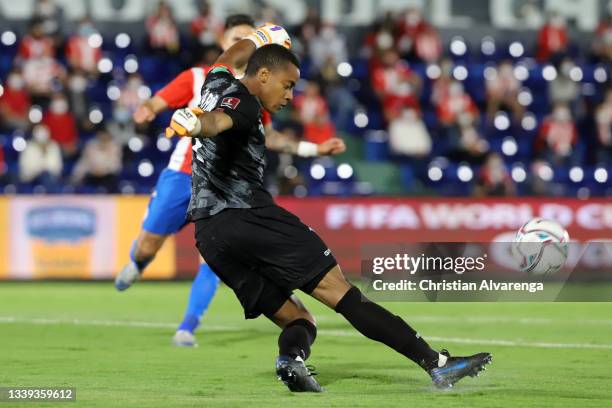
<point x="167" y="212"/>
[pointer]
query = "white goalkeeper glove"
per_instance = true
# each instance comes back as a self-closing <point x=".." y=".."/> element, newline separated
<point x="185" y="122"/>
<point x="270" y="34"/>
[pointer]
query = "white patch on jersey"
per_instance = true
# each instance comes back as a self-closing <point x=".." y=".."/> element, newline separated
<point x="209" y="101"/>
<point x="198" y="83"/>
<point x="179" y="154"/>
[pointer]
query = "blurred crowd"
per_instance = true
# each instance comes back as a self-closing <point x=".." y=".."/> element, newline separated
<point x="493" y="118"/>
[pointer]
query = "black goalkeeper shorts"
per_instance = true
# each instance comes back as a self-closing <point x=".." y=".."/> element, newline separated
<point x="263" y="254"/>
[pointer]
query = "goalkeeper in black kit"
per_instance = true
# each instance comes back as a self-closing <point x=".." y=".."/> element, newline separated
<point x="257" y="248"/>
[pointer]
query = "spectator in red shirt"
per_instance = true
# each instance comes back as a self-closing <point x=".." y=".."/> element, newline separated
<point x="379" y="39"/>
<point x="15" y="102"/>
<point x="36" y="44"/>
<point x="40" y="69"/>
<point x="396" y="85"/>
<point x="62" y="124"/>
<point x="206" y="28"/>
<point x="494" y="178"/>
<point x="417" y="38"/>
<point x="458" y="116"/>
<point x="441" y="86"/>
<point x="558" y="135"/>
<point x="602" y="41"/>
<point x="313" y="113"/>
<point x="552" y="39"/>
<point x="41" y="75"/>
<point x="456" y="105"/>
<point x="80" y="52"/>
<point x="162" y="33"/>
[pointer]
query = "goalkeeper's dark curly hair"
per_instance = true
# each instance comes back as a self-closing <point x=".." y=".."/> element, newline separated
<point x="271" y="56"/>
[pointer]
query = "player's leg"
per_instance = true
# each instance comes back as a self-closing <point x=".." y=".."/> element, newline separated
<point x="259" y="295"/>
<point x="145" y="247"/>
<point x="202" y="291"/>
<point x="143" y="251"/>
<point x="165" y="216"/>
<point x="298" y="333"/>
<point x="372" y="320"/>
<point x="377" y="323"/>
<point x="293" y="256"/>
<point x="298" y="326"/>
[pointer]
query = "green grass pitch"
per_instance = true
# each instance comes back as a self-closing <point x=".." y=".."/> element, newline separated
<point x="115" y="349"/>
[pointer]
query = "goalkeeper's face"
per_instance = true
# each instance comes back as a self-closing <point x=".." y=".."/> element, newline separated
<point x="277" y="85"/>
<point x="233" y="35"/>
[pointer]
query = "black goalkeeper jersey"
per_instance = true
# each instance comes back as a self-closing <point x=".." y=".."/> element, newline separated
<point x="228" y="168"/>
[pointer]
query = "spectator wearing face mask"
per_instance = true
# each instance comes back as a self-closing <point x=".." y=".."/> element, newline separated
<point x="129" y="100"/>
<point x="408" y="136"/>
<point x="313" y="114"/>
<point x="41" y="76"/>
<point x="502" y="92"/>
<point x="163" y="36"/>
<point x="602" y="40"/>
<point x="82" y="53"/>
<point x="79" y="102"/>
<point x="206" y="29"/>
<point x="563" y="89"/>
<point x="603" y="119"/>
<point x="328" y="45"/>
<point x="552" y="38"/>
<point x="494" y="178"/>
<point x="441" y="86"/>
<point x="100" y="163"/>
<point x="36" y="44"/>
<point x="557" y="136"/>
<point x="396" y="85"/>
<point x="14" y="103"/>
<point x="456" y="103"/>
<point x="62" y="124"/>
<point x="417" y="38"/>
<point x="458" y="117"/>
<point x="41" y="160"/>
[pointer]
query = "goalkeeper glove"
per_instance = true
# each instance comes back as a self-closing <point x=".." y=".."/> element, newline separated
<point x="185" y="122"/>
<point x="270" y="34"/>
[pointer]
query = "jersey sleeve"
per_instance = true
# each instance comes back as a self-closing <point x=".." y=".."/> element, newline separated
<point x="179" y="91"/>
<point x="222" y="92"/>
<point x="266" y="118"/>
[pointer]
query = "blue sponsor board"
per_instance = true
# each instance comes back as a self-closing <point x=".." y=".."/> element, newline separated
<point x="61" y="223"/>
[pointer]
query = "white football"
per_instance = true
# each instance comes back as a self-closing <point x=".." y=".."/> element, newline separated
<point x="540" y="247"/>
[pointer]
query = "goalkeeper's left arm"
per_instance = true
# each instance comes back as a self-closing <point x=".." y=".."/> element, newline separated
<point x="237" y="56"/>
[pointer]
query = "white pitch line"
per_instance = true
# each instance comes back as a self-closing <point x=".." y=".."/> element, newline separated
<point x="343" y="333"/>
<point x="484" y="319"/>
<point x="109" y="323"/>
<point x="489" y="342"/>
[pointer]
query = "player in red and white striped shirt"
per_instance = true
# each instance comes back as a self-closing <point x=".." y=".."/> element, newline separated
<point x="167" y="212"/>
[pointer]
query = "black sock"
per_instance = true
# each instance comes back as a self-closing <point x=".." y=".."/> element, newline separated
<point x="296" y="338"/>
<point x="377" y="323"/>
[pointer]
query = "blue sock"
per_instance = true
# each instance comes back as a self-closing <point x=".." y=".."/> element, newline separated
<point x="142" y="264"/>
<point x="202" y="291"/>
